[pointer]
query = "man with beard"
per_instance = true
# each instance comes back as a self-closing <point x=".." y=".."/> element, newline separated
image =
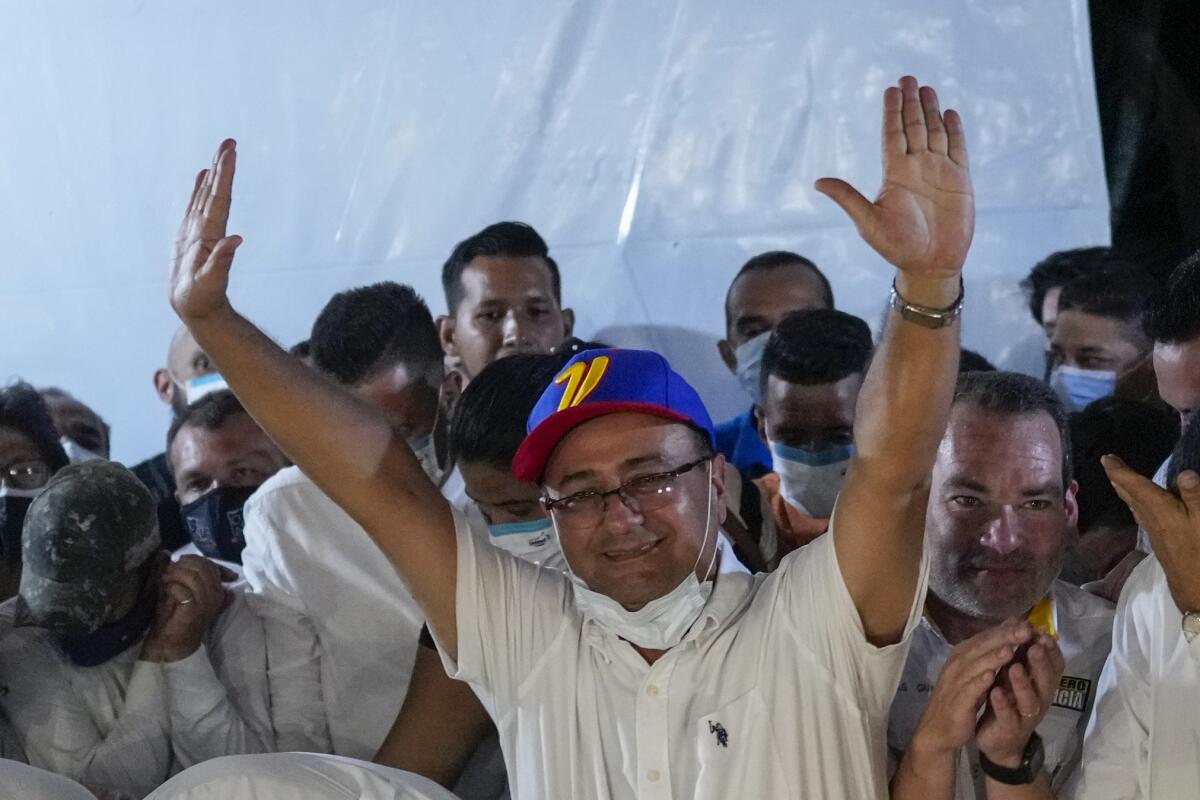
<point x="1001" y="515"/>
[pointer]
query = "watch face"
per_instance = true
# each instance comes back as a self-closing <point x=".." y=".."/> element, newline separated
<point x="1191" y="625"/>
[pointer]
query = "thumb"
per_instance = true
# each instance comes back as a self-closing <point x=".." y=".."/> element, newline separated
<point x="857" y="207"/>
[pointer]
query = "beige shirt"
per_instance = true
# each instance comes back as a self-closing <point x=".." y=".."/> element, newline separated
<point x="774" y="692"/>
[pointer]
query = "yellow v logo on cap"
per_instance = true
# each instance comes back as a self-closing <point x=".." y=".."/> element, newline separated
<point x="581" y="379"/>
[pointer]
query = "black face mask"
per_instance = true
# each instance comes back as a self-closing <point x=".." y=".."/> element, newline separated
<point x="12" y="519"/>
<point x="97" y="647"/>
<point x="214" y="522"/>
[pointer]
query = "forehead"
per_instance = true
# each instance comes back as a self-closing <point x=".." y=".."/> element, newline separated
<point x="490" y="484"/>
<point x="506" y="278"/>
<point x="184" y="350"/>
<point x="821" y="404"/>
<point x="68" y="408"/>
<point x="1078" y="329"/>
<point x="604" y="444"/>
<point x="200" y="448"/>
<point x="16" y="445"/>
<point x="775" y="291"/>
<point x="993" y="449"/>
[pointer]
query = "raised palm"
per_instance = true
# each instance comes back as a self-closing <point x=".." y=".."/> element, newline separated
<point x="203" y="253"/>
<point x="924" y="217"/>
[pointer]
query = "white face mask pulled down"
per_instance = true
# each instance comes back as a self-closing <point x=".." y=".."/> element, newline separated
<point x="663" y="622"/>
<point x="423" y="448"/>
<point x="810" y="480"/>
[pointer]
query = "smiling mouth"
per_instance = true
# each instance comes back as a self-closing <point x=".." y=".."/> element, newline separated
<point x="631" y="553"/>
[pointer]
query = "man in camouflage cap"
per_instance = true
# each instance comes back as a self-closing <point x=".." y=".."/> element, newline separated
<point x="123" y="667"/>
<point x="87" y="536"/>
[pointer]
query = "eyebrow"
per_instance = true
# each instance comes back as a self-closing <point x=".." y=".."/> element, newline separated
<point x="1050" y="488"/>
<point x="749" y="319"/>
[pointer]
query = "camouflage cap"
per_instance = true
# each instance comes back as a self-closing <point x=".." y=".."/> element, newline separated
<point x="85" y="534"/>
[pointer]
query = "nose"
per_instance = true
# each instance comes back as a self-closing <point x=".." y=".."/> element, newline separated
<point x="1003" y="532"/>
<point x="512" y="329"/>
<point x="621" y="513"/>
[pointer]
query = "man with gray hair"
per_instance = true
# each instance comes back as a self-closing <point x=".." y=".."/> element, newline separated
<point x="123" y="668"/>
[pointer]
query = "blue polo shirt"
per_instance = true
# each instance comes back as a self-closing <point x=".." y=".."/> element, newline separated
<point x="737" y="440"/>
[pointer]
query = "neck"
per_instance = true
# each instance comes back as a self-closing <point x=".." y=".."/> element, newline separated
<point x="954" y="624"/>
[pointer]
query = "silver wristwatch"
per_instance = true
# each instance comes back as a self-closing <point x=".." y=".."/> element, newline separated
<point x="932" y="318"/>
<point x="1191" y="625"/>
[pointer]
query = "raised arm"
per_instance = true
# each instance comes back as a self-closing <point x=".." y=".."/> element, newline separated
<point x="343" y="444"/>
<point x="921" y="223"/>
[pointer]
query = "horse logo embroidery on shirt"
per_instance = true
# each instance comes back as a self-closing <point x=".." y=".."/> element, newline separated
<point x="718" y="730"/>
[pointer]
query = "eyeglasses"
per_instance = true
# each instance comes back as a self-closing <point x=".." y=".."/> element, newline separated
<point x="584" y="510"/>
<point x="25" y="475"/>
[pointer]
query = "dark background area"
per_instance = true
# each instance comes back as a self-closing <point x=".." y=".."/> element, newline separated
<point x="1147" y="61"/>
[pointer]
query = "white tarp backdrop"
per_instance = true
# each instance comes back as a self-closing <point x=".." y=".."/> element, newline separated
<point x="655" y="144"/>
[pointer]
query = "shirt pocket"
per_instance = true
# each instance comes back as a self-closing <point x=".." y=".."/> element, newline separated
<point x="735" y="751"/>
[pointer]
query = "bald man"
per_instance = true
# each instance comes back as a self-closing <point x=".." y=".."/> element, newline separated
<point x="187" y="376"/>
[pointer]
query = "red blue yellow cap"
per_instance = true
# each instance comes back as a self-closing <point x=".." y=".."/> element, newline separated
<point x="598" y="382"/>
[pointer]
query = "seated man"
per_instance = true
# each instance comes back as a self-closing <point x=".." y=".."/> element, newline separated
<point x="645" y="672"/>
<point x="122" y="668"/>
<point x="1098" y="347"/>
<point x="503" y="296"/>
<point x="1142" y="435"/>
<point x="184" y="379"/>
<point x="218" y="457"/>
<point x="30" y="453"/>
<point x="84" y="434"/>
<point x="767" y="288"/>
<point x="1002" y="513"/>
<point x="341" y="625"/>
<point x="812" y="371"/>
<point x="1141" y="742"/>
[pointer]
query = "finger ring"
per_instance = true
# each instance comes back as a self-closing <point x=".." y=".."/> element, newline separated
<point x="1029" y="716"/>
<point x="185" y="602"/>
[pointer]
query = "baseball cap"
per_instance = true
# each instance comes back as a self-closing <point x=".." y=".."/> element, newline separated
<point x="85" y="534"/>
<point x="609" y="381"/>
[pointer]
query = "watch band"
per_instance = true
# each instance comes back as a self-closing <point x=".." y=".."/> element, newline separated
<point x="926" y="317"/>
<point x="1031" y="764"/>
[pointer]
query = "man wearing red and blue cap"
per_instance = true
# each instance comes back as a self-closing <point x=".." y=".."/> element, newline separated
<point x="645" y="672"/>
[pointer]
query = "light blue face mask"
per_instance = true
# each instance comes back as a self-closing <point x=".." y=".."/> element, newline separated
<point x="811" y="479"/>
<point x="749" y="365"/>
<point x="1078" y="387"/>
<point x="204" y="385"/>
<point x="533" y="540"/>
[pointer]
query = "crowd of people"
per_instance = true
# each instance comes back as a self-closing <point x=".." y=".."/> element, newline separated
<point x="476" y="556"/>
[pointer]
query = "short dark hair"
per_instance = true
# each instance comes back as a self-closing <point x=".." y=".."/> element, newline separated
<point x="1141" y="434"/>
<point x="773" y="260"/>
<point x="1060" y="268"/>
<point x="301" y="349"/>
<point x="490" y="416"/>
<point x="970" y="361"/>
<point x="63" y="394"/>
<point x="1186" y="455"/>
<point x="504" y="239"/>
<point x="1125" y="293"/>
<point x="364" y="330"/>
<point x="1011" y="394"/>
<point x="208" y="413"/>
<point x="817" y="346"/>
<point x="1175" y="317"/>
<point x="23" y="409"/>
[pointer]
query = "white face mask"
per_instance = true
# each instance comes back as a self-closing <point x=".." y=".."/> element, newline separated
<point x="76" y="453"/>
<point x="663" y="622"/>
<point x="749" y="364"/>
<point x="533" y="540"/>
<point x="203" y="386"/>
<point x="422" y="447"/>
<point x="810" y="481"/>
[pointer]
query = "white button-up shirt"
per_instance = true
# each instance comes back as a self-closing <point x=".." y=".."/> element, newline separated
<point x="23" y="782"/>
<point x="128" y="724"/>
<point x="774" y="692"/>
<point x="1084" y="625"/>
<point x="1143" y="741"/>
<point x="341" y="625"/>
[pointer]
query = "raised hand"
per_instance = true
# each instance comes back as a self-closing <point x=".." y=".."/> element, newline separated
<point x="191" y="597"/>
<point x="924" y="217"/>
<point x="1173" y="524"/>
<point x="1022" y="695"/>
<point x="203" y="253"/>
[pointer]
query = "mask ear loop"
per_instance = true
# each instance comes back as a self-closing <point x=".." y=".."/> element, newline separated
<point x="707" y="525"/>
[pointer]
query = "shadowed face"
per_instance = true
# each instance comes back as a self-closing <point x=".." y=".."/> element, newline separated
<point x="236" y="454"/>
<point x="761" y="298"/>
<point x="813" y="418"/>
<point x="635" y="556"/>
<point x="999" y="519"/>
<point x="1177" y="369"/>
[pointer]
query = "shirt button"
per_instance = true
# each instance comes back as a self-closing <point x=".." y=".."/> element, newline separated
<point x="652" y="691"/>
<point x="653" y="775"/>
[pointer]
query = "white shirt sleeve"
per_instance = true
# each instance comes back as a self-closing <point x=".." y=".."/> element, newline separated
<point x="30" y="783"/>
<point x="293" y="651"/>
<point x="59" y="732"/>
<point x="821" y="614"/>
<point x="1116" y="745"/>
<point x="508" y="612"/>
<point x="217" y="696"/>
